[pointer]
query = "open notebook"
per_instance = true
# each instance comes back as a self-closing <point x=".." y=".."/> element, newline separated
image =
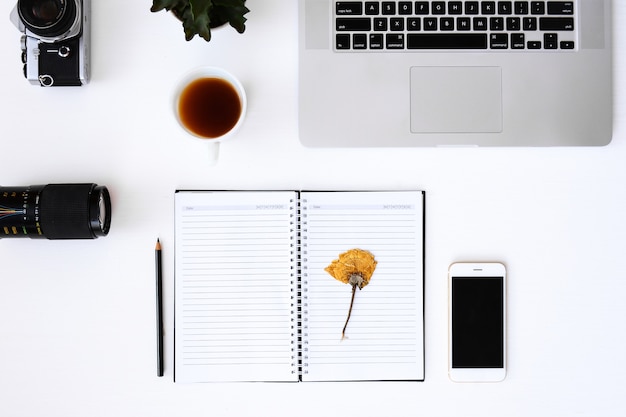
<point x="254" y="303"/>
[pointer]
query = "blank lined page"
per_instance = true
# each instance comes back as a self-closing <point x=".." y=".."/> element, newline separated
<point x="235" y="286"/>
<point x="384" y="338"/>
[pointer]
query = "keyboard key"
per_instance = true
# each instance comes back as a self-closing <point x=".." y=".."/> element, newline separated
<point x="499" y="41"/>
<point x="561" y="7"/>
<point x="422" y="7"/>
<point x="389" y="7"/>
<point x="521" y="7"/>
<point x="359" y="41"/>
<point x="376" y="41"/>
<point x="530" y="23"/>
<point x="471" y="7"/>
<point x="488" y="7"/>
<point x="567" y="45"/>
<point x="396" y="24"/>
<point x="463" y="23"/>
<point x="380" y="24"/>
<point x="405" y="8"/>
<point x="518" y="41"/>
<point x="395" y="41"/>
<point x="513" y="24"/>
<point x="354" y="24"/>
<point x="413" y="24"/>
<point x="537" y="7"/>
<point x="480" y="23"/>
<point x="556" y="23"/>
<point x="343" y="41"/>
<point x="430" y="23"/>
<point x="439" y="7"/>
<point x="455" y="7"/>
<point x="505" y="7"/>
<point x="372" y="8"/>
<point x="446" y="23"/>
<point x="550" y="41"/>
<point x="534" y="44"/>
<point x="496" y="23"/>
<point x="351" y="8"/>
<point x="447" y="41"/>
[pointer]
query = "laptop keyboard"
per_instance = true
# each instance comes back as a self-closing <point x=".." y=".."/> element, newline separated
<point x="455" y="25"/>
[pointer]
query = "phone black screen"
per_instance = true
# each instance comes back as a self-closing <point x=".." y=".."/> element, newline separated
<point x="477" y="322"/>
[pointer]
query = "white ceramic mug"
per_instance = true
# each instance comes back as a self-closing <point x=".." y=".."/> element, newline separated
<point x="218" y="119"/>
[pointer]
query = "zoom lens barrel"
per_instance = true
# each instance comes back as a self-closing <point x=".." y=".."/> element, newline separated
<point x="55" y="211"/>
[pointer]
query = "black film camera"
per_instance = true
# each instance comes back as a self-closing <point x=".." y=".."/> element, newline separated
<point x="55" y="44"/>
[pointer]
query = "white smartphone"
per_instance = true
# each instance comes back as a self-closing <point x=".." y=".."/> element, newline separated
<point x="477" y="322"/>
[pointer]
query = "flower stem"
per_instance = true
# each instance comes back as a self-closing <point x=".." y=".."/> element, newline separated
<point x="343" y="332"/>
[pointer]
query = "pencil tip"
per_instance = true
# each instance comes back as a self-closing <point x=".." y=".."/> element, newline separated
<point x="158" y="244"/>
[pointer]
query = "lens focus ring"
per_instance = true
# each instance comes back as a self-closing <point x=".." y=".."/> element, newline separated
<point x="48" y="18"/>
<point x="65" y="211"/>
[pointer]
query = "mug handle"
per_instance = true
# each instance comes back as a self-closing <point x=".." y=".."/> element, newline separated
<point x="214" y="152"/>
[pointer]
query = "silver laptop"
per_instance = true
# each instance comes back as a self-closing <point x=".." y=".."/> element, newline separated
<point x="455" y="73"/>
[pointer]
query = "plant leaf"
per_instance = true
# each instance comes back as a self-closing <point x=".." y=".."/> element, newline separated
<point x="200" y="20"/>
<point x="158" y="5"/>
<point x="199" y="16"/>
<point x="233" y="12"/>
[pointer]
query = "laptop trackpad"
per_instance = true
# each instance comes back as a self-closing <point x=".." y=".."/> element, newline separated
<point x="456" y="99"/>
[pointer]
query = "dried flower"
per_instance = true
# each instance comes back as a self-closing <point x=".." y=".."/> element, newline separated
<point x="354" y="267"/>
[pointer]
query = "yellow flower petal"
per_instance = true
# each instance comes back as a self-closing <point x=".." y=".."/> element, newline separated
<point x="354" y="261"/>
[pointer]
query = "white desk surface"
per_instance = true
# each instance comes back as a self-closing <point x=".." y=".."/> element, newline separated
<point x="77" y="317"/>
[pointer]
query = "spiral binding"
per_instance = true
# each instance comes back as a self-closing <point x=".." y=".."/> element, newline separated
<point x="294" y="229"/>
<point x="304" y="281"/>
<point x="298" y="288"/>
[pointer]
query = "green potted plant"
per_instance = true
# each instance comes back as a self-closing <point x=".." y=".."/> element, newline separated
<point x="200" y="16"/>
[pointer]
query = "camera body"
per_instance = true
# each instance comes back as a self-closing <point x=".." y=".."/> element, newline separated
<point x="56" y="41"/>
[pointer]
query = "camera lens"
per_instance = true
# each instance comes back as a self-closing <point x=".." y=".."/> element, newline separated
<point x="48" y="18"/>
<point x="55" y="211"/>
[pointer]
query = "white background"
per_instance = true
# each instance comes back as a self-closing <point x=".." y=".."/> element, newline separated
<point x="77" y="320"/>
